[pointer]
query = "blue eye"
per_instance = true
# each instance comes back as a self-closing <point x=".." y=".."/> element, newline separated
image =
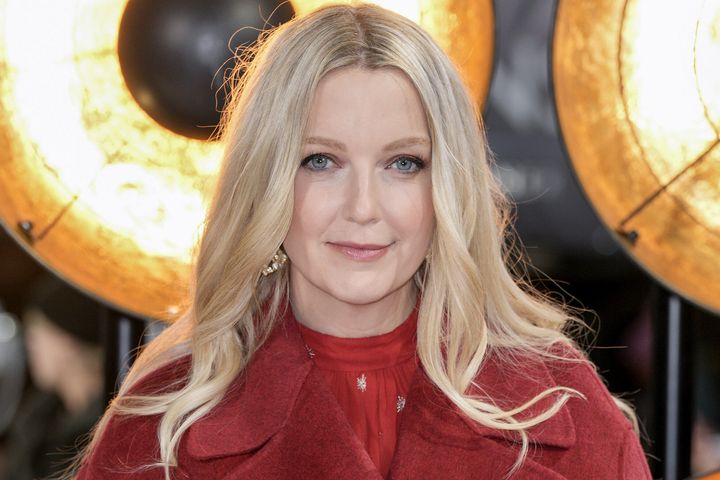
<point x="409" y="164"/>
<point x="405" y="164"/>
<point x="316" y="161"/>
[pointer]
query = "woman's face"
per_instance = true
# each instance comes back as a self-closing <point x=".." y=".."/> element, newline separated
<point x="363" y="216"/>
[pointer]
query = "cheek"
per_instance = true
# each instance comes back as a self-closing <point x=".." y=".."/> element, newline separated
<point x="411" y="211"/>
<point x="312" y="213"/>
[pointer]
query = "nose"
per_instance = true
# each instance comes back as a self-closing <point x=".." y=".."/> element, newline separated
<point x="361" y="199"/>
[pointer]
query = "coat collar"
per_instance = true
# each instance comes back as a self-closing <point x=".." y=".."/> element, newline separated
<point x="513" y="382"/>
<point x="260" y="401"/>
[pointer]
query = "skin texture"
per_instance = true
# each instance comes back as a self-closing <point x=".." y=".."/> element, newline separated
<point x="363" y="193"/>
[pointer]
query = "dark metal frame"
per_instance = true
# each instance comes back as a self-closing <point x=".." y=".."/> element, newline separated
<point x="123" y="337"/>
<point x="673" y="389"/>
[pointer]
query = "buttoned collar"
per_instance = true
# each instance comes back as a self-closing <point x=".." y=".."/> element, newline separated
<point x="259" y="403"/>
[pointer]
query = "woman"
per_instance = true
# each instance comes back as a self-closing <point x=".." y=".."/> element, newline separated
<point x="386" y="336"/>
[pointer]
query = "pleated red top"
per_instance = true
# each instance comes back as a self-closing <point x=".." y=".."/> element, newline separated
<point x="370" y="378"/>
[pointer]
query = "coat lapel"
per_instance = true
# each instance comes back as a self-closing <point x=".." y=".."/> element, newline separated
<point x="280" y="421"/>
<point x="321" y="442"/>
<point x="258" y="402"/>
<point x="280" y="413"/>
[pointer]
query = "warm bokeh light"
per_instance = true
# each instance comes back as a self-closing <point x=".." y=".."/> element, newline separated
<point x="637" y="87"/>
<point x="117" y="201"/>
<point x="84" y="128"/>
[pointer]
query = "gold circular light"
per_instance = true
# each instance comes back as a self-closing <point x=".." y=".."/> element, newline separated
<point x="637" y="90"/>
<point x="91" y="185"/>
<point x="114" y="200"/>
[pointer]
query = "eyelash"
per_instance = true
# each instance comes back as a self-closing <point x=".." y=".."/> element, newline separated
<point x="419" y="163"/>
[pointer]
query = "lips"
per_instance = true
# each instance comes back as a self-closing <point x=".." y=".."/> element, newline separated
<point x="360" y="251"/>
<point x="360" y="246"/>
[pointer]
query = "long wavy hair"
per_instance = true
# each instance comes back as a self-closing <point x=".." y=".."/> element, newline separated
<point x="473" y="297"/>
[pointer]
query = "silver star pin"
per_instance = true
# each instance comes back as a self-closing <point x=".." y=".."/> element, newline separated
<point x="310" y="352"/>
<point x="362" y="382"/>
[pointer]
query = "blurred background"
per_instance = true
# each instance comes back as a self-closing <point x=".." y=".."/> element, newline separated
<point x="119" y="99"/>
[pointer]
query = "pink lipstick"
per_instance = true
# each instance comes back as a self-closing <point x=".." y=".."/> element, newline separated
<point x="360" y="252"/>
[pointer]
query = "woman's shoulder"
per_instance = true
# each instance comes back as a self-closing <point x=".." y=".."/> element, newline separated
<point x="566" y="370"/>
<point x="589" y="430"/>
<point x="603" y="433"/>
<point x="569" y="367"/>
<point x="169" y="376"/>
<point x="128" y="444"/>
<point x="512" y="377"/>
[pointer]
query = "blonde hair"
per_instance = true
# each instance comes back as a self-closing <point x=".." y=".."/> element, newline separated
<point x="472" y="300"/>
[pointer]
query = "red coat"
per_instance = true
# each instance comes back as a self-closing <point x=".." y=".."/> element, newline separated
<point x="279" y="421"/>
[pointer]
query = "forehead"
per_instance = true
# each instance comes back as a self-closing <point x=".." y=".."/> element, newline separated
<point x="363" y="103"/>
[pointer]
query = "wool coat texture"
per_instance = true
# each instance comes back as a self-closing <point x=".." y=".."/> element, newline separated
<point x="279" y="420"/>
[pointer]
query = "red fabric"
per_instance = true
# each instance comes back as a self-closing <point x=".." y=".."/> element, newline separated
<point x="279" y="421"/>
<point x="370" y="378"/>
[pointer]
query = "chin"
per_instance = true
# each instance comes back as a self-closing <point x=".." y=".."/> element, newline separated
<point x="361" y="294"/>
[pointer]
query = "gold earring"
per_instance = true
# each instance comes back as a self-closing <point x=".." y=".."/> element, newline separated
<point x="277" y="262"/>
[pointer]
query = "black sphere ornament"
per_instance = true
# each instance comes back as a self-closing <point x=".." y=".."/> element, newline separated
<point x="174" y="55"/>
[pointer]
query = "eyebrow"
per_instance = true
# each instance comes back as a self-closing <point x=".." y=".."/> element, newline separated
<point x="397" y="144"/>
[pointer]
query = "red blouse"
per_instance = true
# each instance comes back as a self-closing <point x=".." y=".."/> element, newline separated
<point x="370" y="378"/>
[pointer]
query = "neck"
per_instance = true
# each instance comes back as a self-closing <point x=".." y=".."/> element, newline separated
<point x="324" y="313"/>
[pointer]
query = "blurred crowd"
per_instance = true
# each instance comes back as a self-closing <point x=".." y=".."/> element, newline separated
<point x="51" y="379"/>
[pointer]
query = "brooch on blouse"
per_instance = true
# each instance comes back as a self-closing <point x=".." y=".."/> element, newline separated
<point x="400" y="403"/>
<point x="362" y="382"/>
